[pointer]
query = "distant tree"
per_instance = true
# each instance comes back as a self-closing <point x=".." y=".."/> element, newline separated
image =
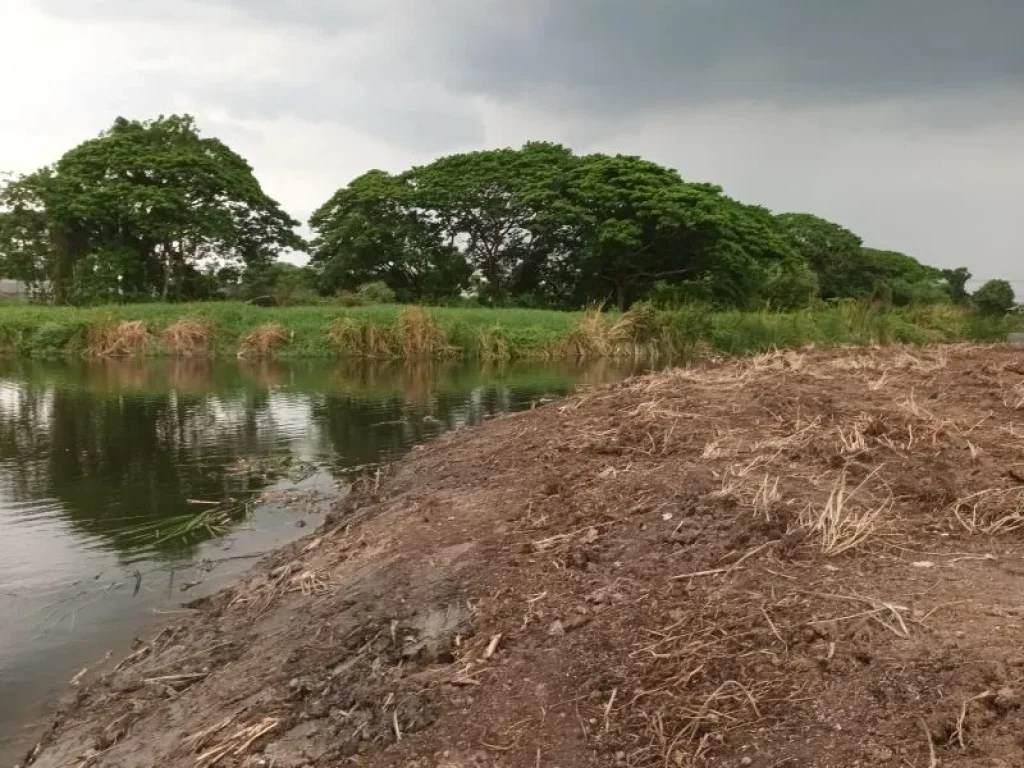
<point x="833" y="252"/>
<point x="540" y="226"/>
<point x="500" y="208"/>
<point x="956" y="280"/>
<point x="138" y="211"/>
<point x="372" y="231"/>
<point x="994" y="298"/>
<point x="907" y="280"/>
<point x="26" y="248"/>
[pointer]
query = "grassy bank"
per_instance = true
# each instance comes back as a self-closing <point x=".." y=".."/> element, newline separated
<point x="397" y="332"/>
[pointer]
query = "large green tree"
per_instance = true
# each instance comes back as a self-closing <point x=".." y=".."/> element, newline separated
<point x="906" y="280"/>
<point x="372" y="231"/>
<point x="135" y="213"/>
<point x="834" y="253"/>
<point x="638" y="224"/>
<point x="502" y="209"/>
<point x="543" y="225"/>
<point x="26" y="253"/>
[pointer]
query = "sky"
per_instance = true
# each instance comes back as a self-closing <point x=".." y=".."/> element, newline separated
<point x="900" y="119"/>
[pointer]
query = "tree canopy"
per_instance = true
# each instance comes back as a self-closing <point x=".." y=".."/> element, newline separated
<point x="137" y="213"/>
<point x="543" y="226"/>
<point x="154" y="211"/>
<point x="996" y="297"/>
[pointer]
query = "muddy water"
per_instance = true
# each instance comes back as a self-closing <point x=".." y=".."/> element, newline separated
<point x="101" y="465"/>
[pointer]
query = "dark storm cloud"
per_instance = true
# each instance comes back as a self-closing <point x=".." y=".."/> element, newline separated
<point x="693" y="51"/>
<point x="619" y="53"/>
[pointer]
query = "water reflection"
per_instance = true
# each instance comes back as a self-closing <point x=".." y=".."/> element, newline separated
<point x="89" y="452"/>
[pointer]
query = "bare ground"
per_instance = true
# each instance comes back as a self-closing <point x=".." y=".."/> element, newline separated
<point x="804" y="559"/>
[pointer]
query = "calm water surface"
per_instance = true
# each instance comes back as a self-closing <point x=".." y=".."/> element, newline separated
<point x="102" y="464"/>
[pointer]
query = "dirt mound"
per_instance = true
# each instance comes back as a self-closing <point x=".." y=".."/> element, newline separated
<point x="804" y="559"/>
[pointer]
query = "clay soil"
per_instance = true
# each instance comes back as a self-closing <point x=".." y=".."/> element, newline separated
<point x="803" y="559"/>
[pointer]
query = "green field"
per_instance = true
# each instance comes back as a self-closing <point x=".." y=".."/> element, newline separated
<point x="397" y="332"/>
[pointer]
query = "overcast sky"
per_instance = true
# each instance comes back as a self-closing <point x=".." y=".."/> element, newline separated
<point x="902" y="119"/>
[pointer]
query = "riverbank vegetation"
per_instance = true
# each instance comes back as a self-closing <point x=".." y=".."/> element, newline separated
<point x="392" y="332"/>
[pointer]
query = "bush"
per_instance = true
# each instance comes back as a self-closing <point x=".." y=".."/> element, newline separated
<point x="995" y="298"/>
<point x="789" y="286"/>
<point x="376" y="293"/>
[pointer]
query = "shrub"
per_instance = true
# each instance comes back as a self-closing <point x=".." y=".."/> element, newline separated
<point x="376" y="293"/>
<point x="995" y="298"/>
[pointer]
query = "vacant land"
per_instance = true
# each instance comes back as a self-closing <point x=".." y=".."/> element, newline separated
<point x="404" y="332"/>
<point x="800" y="559"/>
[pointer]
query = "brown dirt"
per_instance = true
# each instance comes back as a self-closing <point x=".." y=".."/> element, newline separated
<point x="805" y="559"/>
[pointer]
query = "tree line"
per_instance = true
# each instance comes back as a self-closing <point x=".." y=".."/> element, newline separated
<point x="154" y="211"/>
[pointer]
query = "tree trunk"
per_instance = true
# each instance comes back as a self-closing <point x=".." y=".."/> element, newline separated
<point x="621" y="294"/>
<point x="168" y="271"/>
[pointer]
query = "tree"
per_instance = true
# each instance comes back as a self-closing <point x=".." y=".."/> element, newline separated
<point x="956" y="280"/>
<point x="138" y="210"/>
<point x="502" y="209"/>
<point x="907" y="280"/>
<point x="372" y="231"/>
<point x="995" y="298"/>
<point x="541" y="226"/>
<point x="26" y="249"/>
<point x="833" y="252"/>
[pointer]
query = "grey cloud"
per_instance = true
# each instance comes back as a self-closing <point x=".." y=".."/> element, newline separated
<point x="617" y="55"/>
<point x="414" y="116"/>
<point x="614" y="55"/>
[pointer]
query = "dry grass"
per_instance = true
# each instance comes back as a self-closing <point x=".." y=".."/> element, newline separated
<point x="421" y="336"/>
<point x="848" y="518"/>
<point x="129" y="338"/>
<point x="357" y="338"/>
<point x="493" y="345"/>
<point x="236" y="745"/>
<point x="991" y="511"/>
<point x="591" y="338"/>
<point x="263" y="342"/>
<point x="188" y="337"/>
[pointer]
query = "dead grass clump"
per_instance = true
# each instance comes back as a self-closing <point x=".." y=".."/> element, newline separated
<point x="355" y="338"/>
<point x="188" y="337"/>
<point x="129" y="338"/>
<point x="992" y="511"/>
<point x="493" y="345"/>
<point x="645" y="332"/>
<point x="591" y="338"/>
<point x="848" y="518"/>
<point x="421" y="336"/>
<point x="263" y="341"/>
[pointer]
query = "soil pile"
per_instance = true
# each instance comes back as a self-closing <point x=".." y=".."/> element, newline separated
<point x="803" y="559"/>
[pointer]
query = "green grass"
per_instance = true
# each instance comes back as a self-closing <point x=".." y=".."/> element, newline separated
<point x="393" y="331"/>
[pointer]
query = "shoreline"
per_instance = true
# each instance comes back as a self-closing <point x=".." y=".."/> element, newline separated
<point x="405" y="332"/>
<point x="644" y="572"/>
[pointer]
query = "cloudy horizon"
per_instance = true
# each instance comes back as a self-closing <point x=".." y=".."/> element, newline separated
<point x="900" y="120"/>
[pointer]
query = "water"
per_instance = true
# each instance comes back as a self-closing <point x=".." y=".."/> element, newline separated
<point x="99" y="461"/>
